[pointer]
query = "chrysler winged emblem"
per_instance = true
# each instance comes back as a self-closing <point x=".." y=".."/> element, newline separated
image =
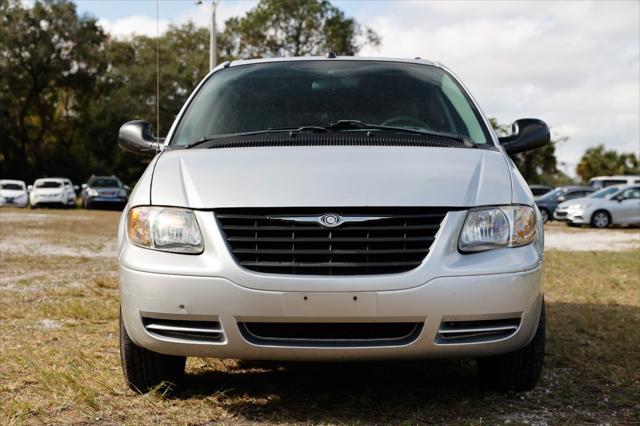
<point x="328" y="220"/>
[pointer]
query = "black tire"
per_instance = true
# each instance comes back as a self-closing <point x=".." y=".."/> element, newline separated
<point x="33" y="206"/>
<point x="546" y="216"/>
<point x="144" y="369"/>
<point x="600" y="219"/>
<point x="516" y="371"/>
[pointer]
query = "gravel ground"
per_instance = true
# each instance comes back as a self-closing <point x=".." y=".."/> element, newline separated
<point x="561" y="237"/>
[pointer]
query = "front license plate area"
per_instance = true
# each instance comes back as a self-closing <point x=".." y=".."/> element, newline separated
<point x="332" y="305"/>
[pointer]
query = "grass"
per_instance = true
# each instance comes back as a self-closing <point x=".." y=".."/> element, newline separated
<point x="59" y="359"/>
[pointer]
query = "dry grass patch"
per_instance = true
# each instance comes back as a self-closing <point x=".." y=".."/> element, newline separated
<point x="59" y="361"/>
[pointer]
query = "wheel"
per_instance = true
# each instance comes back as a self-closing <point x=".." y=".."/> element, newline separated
<point x="520" y="370"/>
<point x="600" y="219"/>
<point x="144" y="369"/>
<point x="33" y="206"/>
<point x="544" y="214"/>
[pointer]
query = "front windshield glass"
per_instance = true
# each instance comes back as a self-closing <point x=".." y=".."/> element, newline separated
<point x="48" y="184"/>
<point x="104" y="183"/>
<point x="12" y="186"/>
<point x="604" y="192"/>
<point x="292" y="94"/>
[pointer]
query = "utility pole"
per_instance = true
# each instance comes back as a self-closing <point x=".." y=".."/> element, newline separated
<point x="212" y="34"/>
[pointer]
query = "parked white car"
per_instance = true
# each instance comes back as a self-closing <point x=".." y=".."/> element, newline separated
<point x="52" y="191"/>
<point x="620" y="208"/>
<point x="562" y="210"/>
<point x="13" y="193"/>
<point x="605" y="181"/>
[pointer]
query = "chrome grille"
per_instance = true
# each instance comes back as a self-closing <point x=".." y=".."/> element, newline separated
<point x="397" y="240"/>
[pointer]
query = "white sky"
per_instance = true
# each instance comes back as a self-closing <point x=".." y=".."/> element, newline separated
<point x="574" y="64"/>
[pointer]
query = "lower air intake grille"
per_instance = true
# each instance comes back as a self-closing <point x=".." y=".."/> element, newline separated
<point x="203" y="331"/>
<point x="366" y="241"/>
<point x="330" y="334"/>
<point x="476" y="331"/>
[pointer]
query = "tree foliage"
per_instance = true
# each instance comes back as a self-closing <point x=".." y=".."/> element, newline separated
<point x="598" y="161"/>
<point x="294" y="28"/>
<point x="66" y="87"/>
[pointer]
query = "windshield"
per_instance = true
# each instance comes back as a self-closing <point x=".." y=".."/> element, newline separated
<point x="48" y="184"/>
<point x="604" y="192"/>
<point x="104" y="183"/>
<point x="257" y="97"/>
<point x="12" y="186"/>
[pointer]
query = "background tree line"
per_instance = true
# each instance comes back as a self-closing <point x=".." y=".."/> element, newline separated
<point x="66" y="86"/>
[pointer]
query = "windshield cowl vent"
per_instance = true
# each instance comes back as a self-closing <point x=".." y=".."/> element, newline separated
<point x="335" y="140"/>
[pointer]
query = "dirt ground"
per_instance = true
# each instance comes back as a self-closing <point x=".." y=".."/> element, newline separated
<point x="59" y="359"/>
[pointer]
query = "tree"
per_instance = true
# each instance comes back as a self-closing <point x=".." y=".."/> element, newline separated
<point x="50" y="60"/>
<point x="293" y="28"/>
<point x="539" y="166"/>
<point x="597" y="161"/>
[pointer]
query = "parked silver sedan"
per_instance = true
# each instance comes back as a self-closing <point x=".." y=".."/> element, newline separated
<point x="622" y="207"/>
<point x="332" y="209"/>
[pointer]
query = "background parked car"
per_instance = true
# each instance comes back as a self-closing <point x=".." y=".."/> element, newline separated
<point x="621" y="208"/>
<point x="549" y="201"/>
<point x="605" y="181"/>
<point x="563" y="208"/>
<point x="105" y="191"/>
<point x="52" y="191"/>
<point x="538" y="190"/>
<point x="13" y="193"/>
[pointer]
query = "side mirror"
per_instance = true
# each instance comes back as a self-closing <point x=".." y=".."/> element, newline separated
<point x="527" y="134"/>
<point x="76" y="188"/>
<point x="137" y="137"/>
<point x="84" y="186"/>
<point x="619" y="198"/>
<point x="29" y="188"/>
<point x="562" y="198"/>
<point x="127" y="188"/>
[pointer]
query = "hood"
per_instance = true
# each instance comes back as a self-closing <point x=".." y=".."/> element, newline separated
<point x="575" y="201"/>
<point x="48" y="190"/>
<point x="338" y="176"/>
<point x="12" y="192"/>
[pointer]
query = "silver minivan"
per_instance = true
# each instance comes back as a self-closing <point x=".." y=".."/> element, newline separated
<point x="331" y="209"/>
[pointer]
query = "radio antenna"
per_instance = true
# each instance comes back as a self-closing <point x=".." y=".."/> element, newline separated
<point x="158" y="71"/>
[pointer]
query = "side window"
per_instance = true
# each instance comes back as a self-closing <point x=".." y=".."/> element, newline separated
<point x="610" y="182"/>
<point x="631" y="194"/>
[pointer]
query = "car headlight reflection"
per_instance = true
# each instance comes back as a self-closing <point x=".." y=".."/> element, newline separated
<point x="496" y="227"/>
<point x="164" y="228"/>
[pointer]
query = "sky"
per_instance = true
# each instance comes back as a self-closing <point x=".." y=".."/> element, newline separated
<point x="574" y="64"/>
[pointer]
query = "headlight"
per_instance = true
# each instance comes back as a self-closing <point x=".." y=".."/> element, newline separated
<point x="92" y="193"/>
<point x="495" y="227"/>
<point x="164" y="228"/>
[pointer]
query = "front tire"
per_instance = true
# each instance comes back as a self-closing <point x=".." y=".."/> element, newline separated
<point x="544" y="214"/>
<point x="600" y="219"/>
<point x="144" y="369"/>
<point x="520" y="370"/>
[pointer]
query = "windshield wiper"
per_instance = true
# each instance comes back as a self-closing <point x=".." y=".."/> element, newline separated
<point x="341" y="125"/>
<point x="291" y="130"/>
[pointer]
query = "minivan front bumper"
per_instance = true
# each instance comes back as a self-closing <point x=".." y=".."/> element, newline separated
<point x="474" y="291"/>
<point x="432" y="304"/>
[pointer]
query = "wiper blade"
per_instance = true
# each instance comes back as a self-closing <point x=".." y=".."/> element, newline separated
<point x="360" y="125"/>
<point x="291" y="130"/>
